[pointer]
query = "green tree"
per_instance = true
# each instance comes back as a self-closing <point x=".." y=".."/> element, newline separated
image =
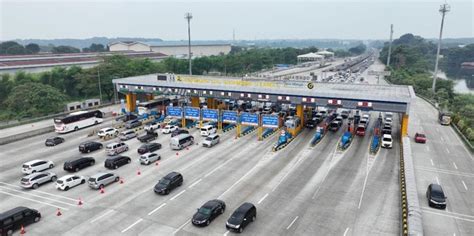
<point x="359" y="49"/>
<point x="11" y="48"/>
<point x="95" y="48"/>
<point x="65" y="49"/>
<point x="32" y="48"/>
<point x="6" y="85"/>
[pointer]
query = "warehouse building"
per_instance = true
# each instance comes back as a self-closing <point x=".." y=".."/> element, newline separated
<point x="176" y="49"/>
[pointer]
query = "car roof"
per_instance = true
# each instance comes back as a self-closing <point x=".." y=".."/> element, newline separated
<point x="211" y="203"/>
<point x="12" y="212"/>
<point x="172" y="174"/>
<point x="66" y="177"/>
<point x="32" y="162"/>
<point x="148" y="154"/>
<point x="387" y="136"/>
<point x="104" y="129"/>
<point x="212" y="135"/>
<point x="244" y="207"/>
<point x="436" y="188"/>
<point x="35" y="174"/>
<point x="100" y="174"/>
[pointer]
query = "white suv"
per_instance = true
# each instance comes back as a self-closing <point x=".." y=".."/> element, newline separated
<point x="69" y="181"/>
<point x="108" y="132"/>
<point x="152" y="126"/>
<point x="36" y="166"/>
<point x="168" y="129"/>
<point x="387" y="141"/>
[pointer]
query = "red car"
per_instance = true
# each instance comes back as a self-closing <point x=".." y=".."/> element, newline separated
<point x="420" y="138"/>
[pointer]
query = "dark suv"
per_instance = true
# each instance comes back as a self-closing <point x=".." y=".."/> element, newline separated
<point x="17" y="217"/>
<point x="149" y="147"/>
<point x="168" y="183"/>
<point x="208" y="212"/>
<point x="78" y="164"/>
<point x="436" y="197"/>
<point x="116" y="162"/>
<point x="149" y="136"/>
<point x="53" y="141"/>
<point x="241" y="217"/>
<point x="90" y="146"/>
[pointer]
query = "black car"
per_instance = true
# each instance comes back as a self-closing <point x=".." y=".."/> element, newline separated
<point x="178" y="132"/>
<point x="149" y="147"/>
<point x="168" y="183"/>
<point x="116" y="162"/>
<point x="241" y="217"/>
<point x="436" y="197"/>
<point x="17" y="217"/>
<point x="149" y="136"/>
<point x="311" y="123"/>
<point x="53" y="141"/>
<point x="78" y="164"/>
<point x="208" y="212"/>
<point x="90" y="146"/>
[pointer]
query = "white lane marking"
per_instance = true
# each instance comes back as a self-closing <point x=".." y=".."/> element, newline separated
<point x="443" y="171"/>
<point x="465" y="186"/>
<point x="192" y="185"/>
<point x="129" y="227"/>
<point x="177" y="195"/>
<point x="289" y="226"/>
<point x="182" y="226"/>
<point x="286" y="175"/>
<point x="447" y="215"/>
<point x="437" y="129"/>
<point x="263" y="198"/>
<point x="447" y="150"/>
<point x="151" y="212"/>
<point x="226" y="233"/>
<point x="33" y="200"/>
<point x="455" y="166"/>
<point x="432" y="163"/>
<point x="215" y="169"/>
<point x="437" y="180"/>
<point x="427" y="148"/>
<point x="363" y="189"/>
<point x="442" y="139"/>
<point x="345" y="232"/>
<point x="98" y="218"/>
<point x="34" y="190"/>
<point x="38" y="196"/>
<point x="238" y="181"/>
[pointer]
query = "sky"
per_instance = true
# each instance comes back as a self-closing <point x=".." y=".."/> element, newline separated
<point x="216" y="20"/>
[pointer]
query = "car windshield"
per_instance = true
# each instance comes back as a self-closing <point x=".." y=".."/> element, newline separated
<point x="387" y="139"/>
<point x="26" y="166"/>
<point x="25" y="179"/>
<point x="49" y="140"/>
<point x="437" y="194"/>
<point x="205" y="211"/>
<point x="91" y="179"/>
<point x="164" y="182"/>
<point x="237" y="216"/>
<point x="59" y="181"/>
<point x="208" y="139"/>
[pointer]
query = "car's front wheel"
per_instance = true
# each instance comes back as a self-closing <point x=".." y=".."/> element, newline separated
<point x="54" y="178"/>
<point x="35" y="186"/>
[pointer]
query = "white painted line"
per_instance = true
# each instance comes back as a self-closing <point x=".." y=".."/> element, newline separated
<point x="289" y="226"/>
<point x="192" y="185"/>
<point x="226" y="233"/>
<point x="447" y="150"/>
<point x="106" y="213"/>
<point x="427" y="148"/>
<point x="363" y="189"/>
<point x="151" y="212"/>
<point x="177" y="195"/>
<point x="345" y="232"/>
<point x="182" y="226"/>
<point x="263" y="198"/>
<point x="238" y="181"/>
<point x="215" y="169"/>
<point x="437" y="129"/>
<point x="446" y="215"/>
<point x="286" y="175"/>
<point x="129" y="227"/>
<point x="432" y="163"/>
<point x="33" y="200"/>
<point x="465" y="186"/>
<point x="455" y="166"/>
<point x="34" y="195"/>
<point x="443" y="171"/>
<point x="38" y="191"/>
<point x="437" y="180"/>
<point x="442" y="139"/>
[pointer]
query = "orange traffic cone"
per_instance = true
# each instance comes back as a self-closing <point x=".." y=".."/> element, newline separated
<point x="79" y="202"/>
<point x="59" y="212"/>
<point x="138" y="172"/>
<point x="177" y="154"/>
<point x="121" y="181"/>
<point x="22" y="231"/>
<point x="157" y="163"/>
<point x="102" y="190"/>
<point x="187" y="148"/>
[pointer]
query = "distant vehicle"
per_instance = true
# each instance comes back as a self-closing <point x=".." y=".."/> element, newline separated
<point x="36" y="179"/>
<point x="133" y="124"/>
<point x="168" y="183"/>
<point x="444" y="118"/>
<point x="16" y="218"/>
<point x="77" y="120"/>
<point x="168" y="129"/>
<point x="208" y="212"/>
<point x="152" y="126"/>
<point x="148" y="147"/>
<point x="116" y="162"/>
<point x="127" y="134"/>
<point x="107" y="132"/>
<point x="100" y="180"/>
<point x="211" y="140"/>
<point x="149" y="136"/>
<point x="420" y="138"/>
<point x="311" y="123"/>
<point x="69" y="181"/>
<point x="388" y="115"/>
<point x="178" y="132"/>
<point x="387" y="130"/>
<point x="153" y="106"/>
<point x="241" y="217"/>
<point x="36" y="166"/>
<point x="208" y="130"/>
<point x="116" y="148"/>
<point x="181" y="141"/>
<point x="77" y="164"/>
<point x="388" y="120"/>
<point x="435" y="196"/>
<point x="149" y="158"/>
<point x="334" y="125"/>
<point x="53" y="141"/>
<point x="360" y="131"/>
<point x="387" y="141"/>
<point x="90" y="146"/>
<point x="126" y="118"/>
<point x="345" y="113"/>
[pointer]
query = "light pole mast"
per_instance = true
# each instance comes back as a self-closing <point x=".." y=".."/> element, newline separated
<point x="443" y="9"/>
<point x="390" y="45"/>
<point x="188" y="16"/>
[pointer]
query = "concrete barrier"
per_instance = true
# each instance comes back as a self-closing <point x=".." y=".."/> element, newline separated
<point x="24" y="135"/>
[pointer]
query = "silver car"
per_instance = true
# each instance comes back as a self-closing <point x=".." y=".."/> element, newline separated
<point x="149" y="158"/>
<point x="100" y="180"/>
<point x="36" y="179"/>
<point x="211" y="140"/>
<point x="128" y="134"/>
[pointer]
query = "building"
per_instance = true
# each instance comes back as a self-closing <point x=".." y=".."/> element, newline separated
<point x="175" y="48"/>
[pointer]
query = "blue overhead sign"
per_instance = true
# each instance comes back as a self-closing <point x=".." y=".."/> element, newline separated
<point x="191" y="113"/>
<point x="229" y="116"/>
<point x="176" y="112"/>
<point x="269" y="121"/>
<point x="209" y="114"/>
<point x="249" y="119"/>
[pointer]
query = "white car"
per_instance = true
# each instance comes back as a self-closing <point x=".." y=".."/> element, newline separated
<point x="388" y="120"/>
<point x="36" y="166"/>
<point x="168" y="129"/>
<point x="36" y="179"/>
<point x="69" y="181"/>
<point x="107" y="132"/>
<point x="152" y="126"/>
<point x="149" y="158"/>
<point x="387" y="141"/>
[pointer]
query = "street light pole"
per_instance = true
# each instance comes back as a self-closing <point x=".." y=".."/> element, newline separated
<point x="100" y="85"/>
<point x="188" y="16"/>
<point x="443" y="9"/>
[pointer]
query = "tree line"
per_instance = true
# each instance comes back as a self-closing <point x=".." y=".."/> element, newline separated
<point x="14" y="48"/>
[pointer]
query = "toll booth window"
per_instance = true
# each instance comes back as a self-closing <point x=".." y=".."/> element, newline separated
<point x="96" y="103"/>
<point x="90" y="104"/>
<point x="78" y="107"/>
<point x="71" y="108"/>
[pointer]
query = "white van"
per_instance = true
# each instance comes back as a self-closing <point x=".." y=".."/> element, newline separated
<point x="208" y="130"/>
<point x="116" y="148"/>
<point x="181" y="141"/>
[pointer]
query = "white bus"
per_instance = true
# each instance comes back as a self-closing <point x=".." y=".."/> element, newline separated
<point x="153" y="106"/>
<point x="77" y="120"/>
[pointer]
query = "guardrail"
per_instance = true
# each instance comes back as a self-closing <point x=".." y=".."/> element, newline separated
<point x="229" y="127"/>
<point x="248" y="130"/>
<point x="268" y="132"/>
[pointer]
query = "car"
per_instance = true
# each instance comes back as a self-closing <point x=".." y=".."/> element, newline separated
<point x="149" y="158"/>
<point x="181" y="141"/>
<point x="36" y="166"/>
<point x="311" y="123"/>
<point x="168" y="183"/>
<point x="36" y="179"/>
<point x="116" y="148"/>
<point x="107" y="132"/>
<point x="420" y="138"/>
<point x="148" y="136"/>
<point x="242" y="216"/>
<point x="436" y="197"/>
<point x="69" y="181"/>
<point x="77" y="164"/>
<point x="387" y="130"/>
<point x="133" y="124"/>
<point x="152" y="126"/>
<point x="116" y="162"/>
<point x="100" y="180"/>
<point x="17" y="218"/>
<point x="53" y="141"/>
<point x="127" y="134"/>
<point x="334" y="125"/>
<point x="388" y="120"/>
<point x="211" y="140"/>
<point x="149" y="147"/>
<point x="208" y="212"/>
<point x="387" y="141"/>
<point x="360" y="130"/>
<point x="90" y="146"/>
<point x="178" y="132"/>
<point x="208" y="130"/>
<point x="126" y="118"/>
<point x="168" y="129"/>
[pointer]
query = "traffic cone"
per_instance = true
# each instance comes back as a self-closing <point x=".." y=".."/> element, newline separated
<point x="79" y="202"/>
<point x="177" y="154"/>
<point x="102" y="190"/>
<point x="187" y="148"/>
<point x="138" y="172"/>
<point x="59" y="212"/>
<point x="22" y="231"/>
<point x="121" y="181"/>
<point x="157" y="163"/>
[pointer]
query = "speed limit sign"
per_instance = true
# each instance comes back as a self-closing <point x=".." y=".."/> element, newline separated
<point x="310" y="85"/>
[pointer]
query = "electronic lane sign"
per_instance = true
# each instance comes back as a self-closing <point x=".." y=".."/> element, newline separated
<point x="269" y="121"/>
<point x="247" y="118"/>
<point x="176" y="112"/>
<point x="210" y="114"/>
<point x="229" y="116"/>
<point x="191" y="113"/>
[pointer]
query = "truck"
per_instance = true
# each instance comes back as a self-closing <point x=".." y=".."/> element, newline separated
<point x="444" y="118"/>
